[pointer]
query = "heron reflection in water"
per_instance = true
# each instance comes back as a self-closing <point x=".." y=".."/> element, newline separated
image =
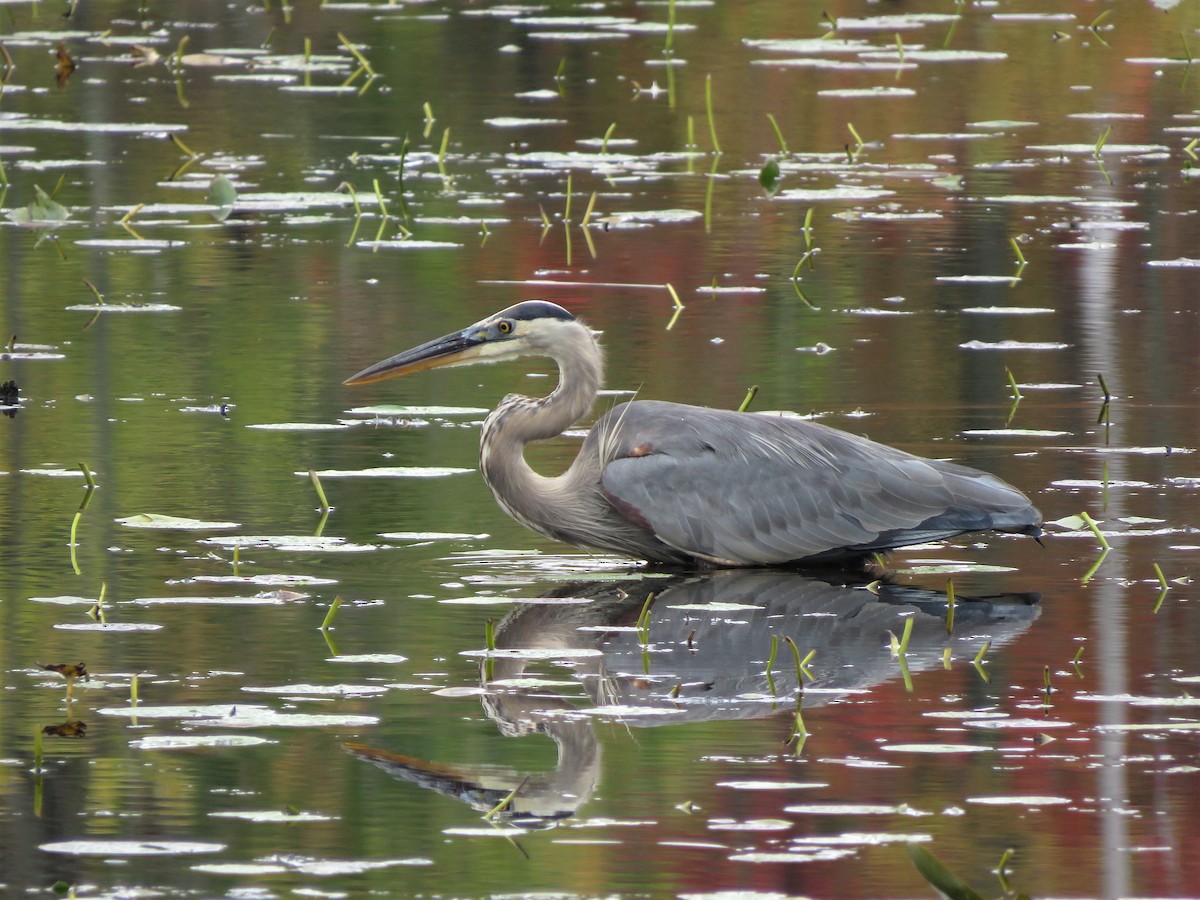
<point x="586" y="631"/>
<point x="691" y="486"/>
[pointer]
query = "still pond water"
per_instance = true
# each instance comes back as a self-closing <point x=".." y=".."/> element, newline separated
<point x="393" y="171"/>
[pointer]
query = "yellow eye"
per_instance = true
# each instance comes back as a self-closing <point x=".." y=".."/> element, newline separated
<point x="505" y="327"/>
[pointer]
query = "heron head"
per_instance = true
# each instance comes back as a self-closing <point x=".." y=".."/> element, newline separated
<point x="530" y="328"/>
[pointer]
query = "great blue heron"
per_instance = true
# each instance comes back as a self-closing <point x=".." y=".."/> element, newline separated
<point x="687" y="485"/>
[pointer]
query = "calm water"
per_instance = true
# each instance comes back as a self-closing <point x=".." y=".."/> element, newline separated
<point x="263" y="758"/>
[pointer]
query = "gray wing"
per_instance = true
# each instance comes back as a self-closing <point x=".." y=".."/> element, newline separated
<point x="743" y="489"/>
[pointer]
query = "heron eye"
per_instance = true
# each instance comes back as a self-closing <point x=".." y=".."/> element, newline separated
<point x="505" y="327"/>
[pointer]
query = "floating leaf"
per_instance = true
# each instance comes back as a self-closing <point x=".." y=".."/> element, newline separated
<point x="769" y="176"/>
<point x="223" y="195"/>
<point x="42" y="212"/>
<point x="177" y="523"/>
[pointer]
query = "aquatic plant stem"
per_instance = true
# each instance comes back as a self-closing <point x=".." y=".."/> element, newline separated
<point x="679" y="307"/>
<point x="708" y="106"/>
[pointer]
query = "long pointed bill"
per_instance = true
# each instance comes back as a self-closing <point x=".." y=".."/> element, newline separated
<point x="452" y="349"/>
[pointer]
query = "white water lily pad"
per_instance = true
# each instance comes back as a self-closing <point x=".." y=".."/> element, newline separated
<point x="978" y="279"/>
<point x="845" y="192"/>
<point x="535" y="653"/>
<point x="335" y="690"/>
<point x="21" y="122"/>
<point x="258" y="717"/>
<point x="393" y="410"/>
<point x="1005" y="722"/>
<point x="391" y="472"/>
<point x="935" y="748"/>
<point x="521" y="122"/>
<point x="118" y="627"/>
<point x="409" y="244"/>
<point x="298" y="426"/>
<point x="750" y="825"/>
<point x="481" y="831"/>
<point x="196" y="741"/>
<point x="174" y="523"/>
<point x="300" y="543"/>
<point x="325" y="867"/>
<point x="1014" y="345"/>
<point x="272" y="815"/>
<point x="949" y="568"/>
<point x="859" y="93"/>
<point x="130" y="848"/>
<point x="205" y="601"/>
<point x="1020" y="800"/>
<point x="175" y="712"/>
<point x="772" y="785"/>
<point x="1182" y="262"/>
<point x="1090" y="149"/>
<point x="143" y="244"/>
<point x="847" y="809"/>
<point x="265" y="579"/>
<point x="826" y="854"/>
<point x="432" y="536"/>
<point x="1014" y="432"/>
<point x="123" y="307"/>
<point x="1008" y="310"/>
<point x="381" y="658"/>
<point x="652" y="216"/>
<point x="864" y="838"/>
<point x="248" y="870"/>
<point x="460" y="691"/>
<point x="715" y="606"/>
<point x="1188" y="725"/>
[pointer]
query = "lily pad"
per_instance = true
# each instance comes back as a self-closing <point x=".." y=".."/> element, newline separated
<point x="173" y="523"/>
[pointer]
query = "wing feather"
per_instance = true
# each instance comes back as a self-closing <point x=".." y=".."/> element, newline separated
<point x="762" y="490"/>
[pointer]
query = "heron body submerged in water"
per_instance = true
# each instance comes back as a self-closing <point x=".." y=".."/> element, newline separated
<point x="688" y="485"/>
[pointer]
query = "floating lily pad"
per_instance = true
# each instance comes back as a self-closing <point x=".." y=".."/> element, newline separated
<point x="248" y="717"/>
<point x="196" y="741"/>
<point x="173" y="523"/>
<point x="298" y="426"/>
<point x="391" y="472"/>
<point x="827" y="854"/>
<point x="1014" y="345"/>
<point x="123" y="307"/>
<point x="432" y="536"/>
<point x="300" y="543"/>
<point x="952" y="568"/>
<point x="335" y="690"/>
<point x="265" y="579"/>
<point x="391" y="410"/>
<point x="772" y="785"/>
<point x="41" y="212"/>
<point x="272" y="816"/>
<point x="379" y="658"/>
<point x="206" y="601"/>
<point x="130" y="848"/>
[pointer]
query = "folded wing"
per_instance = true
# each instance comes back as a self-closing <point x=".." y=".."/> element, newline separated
<point x="743" y="489"/>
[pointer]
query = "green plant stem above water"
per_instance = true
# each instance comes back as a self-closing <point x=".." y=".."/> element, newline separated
<point x="708" y="107"/>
